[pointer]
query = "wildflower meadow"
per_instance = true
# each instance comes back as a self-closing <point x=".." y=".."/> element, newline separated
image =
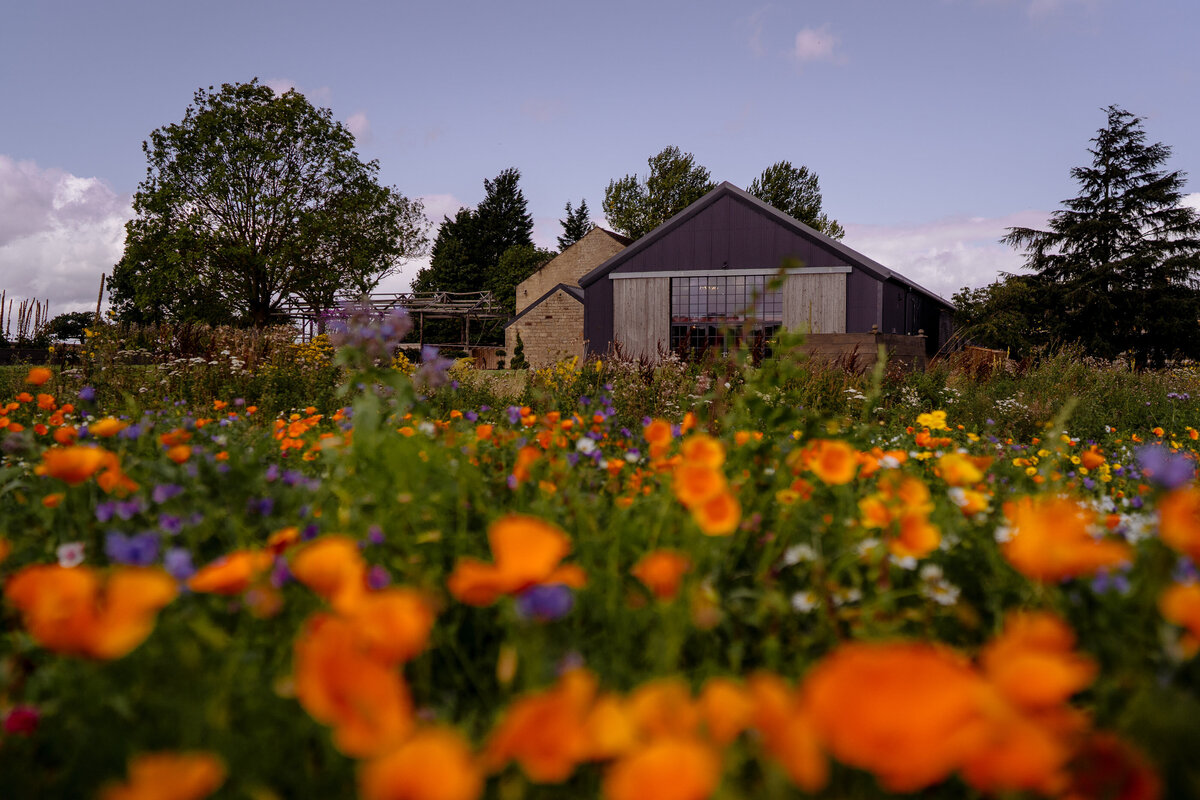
<point x="614" y="581"/>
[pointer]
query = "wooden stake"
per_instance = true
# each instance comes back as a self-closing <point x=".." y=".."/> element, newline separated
<point x="100" y="297"/>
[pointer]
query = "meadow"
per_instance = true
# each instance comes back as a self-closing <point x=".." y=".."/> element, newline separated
<point x="239" y="567"/>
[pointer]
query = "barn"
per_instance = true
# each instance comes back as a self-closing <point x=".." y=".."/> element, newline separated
<point x="678" y="287"/>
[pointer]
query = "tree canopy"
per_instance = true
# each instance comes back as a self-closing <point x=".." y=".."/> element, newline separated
<point x="796" y="191"/>
<point x="635" y="206"/>
<point x="468" y="248"/>
<point x="252" y="199"/>
<point x="575" y="226"/>
<point x="1117" y="270"/>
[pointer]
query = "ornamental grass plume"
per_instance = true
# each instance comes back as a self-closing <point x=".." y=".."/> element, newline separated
<point x="1052" y="539"/>
<point x="79" y="611"/>
<point x="526" y="551"/>
<point x="169" y="776"/>
<point x="435" y="763"/>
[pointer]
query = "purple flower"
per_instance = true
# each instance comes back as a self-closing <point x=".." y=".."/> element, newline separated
<point x="140" y="550"/>
<point x="170" y="524"/>
<point x="375" y="534"/>
<point x="378" y="577"/>
<point x="280" y="574"/>
<point x="87" y="394"/>
<point x="272" y="473"/>
<point x="262" y="506"/>
<point x="310" y="531"/>
<point x="128" y="509"/>
<point x="1163" y="467"/>
<point x="514" y="415"/>
<point x="434" y="368"/>
<point x="1110" y="581"/>
<point x="105" y="510"/>
<point x="546" y="602"/>
<point x="164" y="492"/>
<point x="471" y="416"/>
<point x="178" y="563"/>
<point x="1185" y="571"/>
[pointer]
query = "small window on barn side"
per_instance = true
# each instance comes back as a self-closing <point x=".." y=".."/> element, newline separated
<point x="704" y="308"/>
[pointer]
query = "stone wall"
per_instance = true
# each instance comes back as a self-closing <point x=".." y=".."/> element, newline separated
<point x="596" y="247"/>
<point x="550" y="332"/>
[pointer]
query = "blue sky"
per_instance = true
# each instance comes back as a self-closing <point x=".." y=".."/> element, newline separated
<point x="933" y="124"/>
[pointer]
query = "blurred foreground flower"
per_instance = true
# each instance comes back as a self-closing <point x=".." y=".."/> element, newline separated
<point x="169" y="776"/>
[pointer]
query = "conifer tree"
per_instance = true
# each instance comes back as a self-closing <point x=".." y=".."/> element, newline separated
<point x="1117" y="270"/>
<point x="575" y="226"/>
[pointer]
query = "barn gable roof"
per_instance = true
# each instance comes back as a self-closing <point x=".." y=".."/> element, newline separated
<point x="727" y="189"/>
<point x="573" y="291"/>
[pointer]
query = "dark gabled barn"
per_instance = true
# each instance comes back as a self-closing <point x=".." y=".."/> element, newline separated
<point x="679" y="285"/>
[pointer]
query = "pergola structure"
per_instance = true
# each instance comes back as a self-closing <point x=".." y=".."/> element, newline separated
<point x="464" y="306"/>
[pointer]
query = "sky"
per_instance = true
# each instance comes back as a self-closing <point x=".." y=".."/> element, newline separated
<point x="934" y="125"/>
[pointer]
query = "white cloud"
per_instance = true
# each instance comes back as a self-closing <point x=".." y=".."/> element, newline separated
<point x="815" y="44"/>
<point x="754" y="24"/>
<point x="58" y="233"/>
<point x="440" y="205"/>
<point x="360" y="126"/>
<point x="1192" y="200"/>
<point x="945" y="255"/>
<point x="279" y="85"/>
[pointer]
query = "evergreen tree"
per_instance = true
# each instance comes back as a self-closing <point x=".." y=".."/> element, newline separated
<point x="467" y="250"/>
<point x="1117" y="271"/>
<point x="518" y="355"/>
<point x="635" y="207"/>
<point x="575" y="226"/>
<point x="796" y="192"/>
<point x="518" y="263"/>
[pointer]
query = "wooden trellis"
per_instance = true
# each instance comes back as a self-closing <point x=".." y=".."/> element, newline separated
<point x="464" y="306"/>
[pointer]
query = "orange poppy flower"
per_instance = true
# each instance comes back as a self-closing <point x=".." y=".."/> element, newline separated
<point x="661" y="572"/>
<point x="109" y="426"/>
<point x="907" y="712"/>
<point x="695" y="483"/>
<point x="72" y="610"/>
<point x="664" y="708"/>
<point x="834" y="462"/>
<point x="703" y="450"/>
<point x="670" y="769"/>
<point x="719" y="516"/>
<point x="726" y="708"/>
<point x="526" y="550"/>
<point x="545" y="732"/>
<point x="434" y="764"/>
<point x="333" y="567"/>
<point x="787" y="731"/>
<point x="1051" y="540"/>
<point x="1179" y="521"/>
<point x="1032" y="663"/>
<point x="364" y="700"/>
<point x="960" y="469"/>
<point x="231" y="574"/>
<point x="178" y="776"/>
<point x="658" y="434"/>
<point x="38" y="375"/>
<point x="73" y="464"/>
<point x="393" y="624"/>
<point x="1180" y="604"/>
<point x="179" y="453"/>
<point x="917" y="538"/>
<point x="609" y="728"/>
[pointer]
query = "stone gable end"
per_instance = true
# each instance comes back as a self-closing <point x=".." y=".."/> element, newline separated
<point x="551" y="331"/>
<point x="596" y="247"/>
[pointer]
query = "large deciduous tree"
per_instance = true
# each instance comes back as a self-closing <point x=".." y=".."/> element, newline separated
<point x="635" y="206"/>
<point x="254" y="199"/>
<point x="796" y="191"/>
<point x="1117" y="270"/>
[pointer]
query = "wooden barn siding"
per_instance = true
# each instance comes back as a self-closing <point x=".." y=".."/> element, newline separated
<point x="598" y="317"/>
<point x="642" y="315"/>
<point x="815" y="303"/>
<point x="864" y="302"/>
<point x="730" y="234"/>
